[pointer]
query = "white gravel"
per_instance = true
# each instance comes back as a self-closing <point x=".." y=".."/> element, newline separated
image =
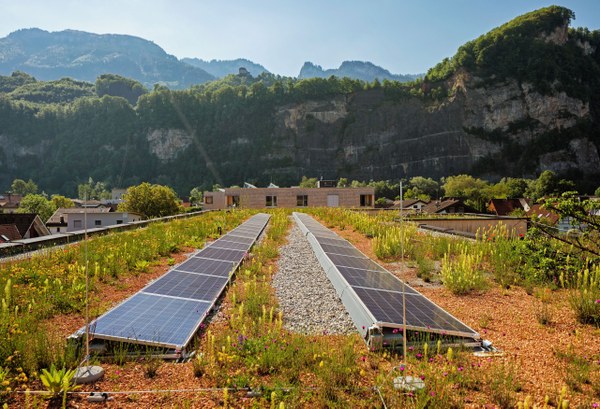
<point x="307" y="298"/>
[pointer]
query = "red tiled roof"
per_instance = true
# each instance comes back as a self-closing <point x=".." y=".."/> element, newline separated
<point x="10" y="232"/>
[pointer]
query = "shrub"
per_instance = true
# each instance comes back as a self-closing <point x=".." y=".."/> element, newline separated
<point x="462" y="273"/>
<point x="585" y="299"/>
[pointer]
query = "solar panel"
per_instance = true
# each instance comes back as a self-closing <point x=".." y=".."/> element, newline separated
<point x="168" y="311"/>
<point x="374" y="279"/>
<point x="237" y="239"/>
<point x="334" y="242"/>
<point x="345" y="251"/>
<point x="376" y="296"/>
<point x="362" y="263"/>
<point x="221" y="254"/>
<point x="154" y="319"/>
<point x="232" y="245"/>
<point x="245" y="232"/>
<point x="420" y="312"/>
<point x="188" y="285"/>
<point x="202" y="265"/>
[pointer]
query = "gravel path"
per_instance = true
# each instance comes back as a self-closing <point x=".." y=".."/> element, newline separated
<point x="307" y="298"/>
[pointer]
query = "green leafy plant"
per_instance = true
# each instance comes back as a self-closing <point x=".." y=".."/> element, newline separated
<point x="58" y="381"/>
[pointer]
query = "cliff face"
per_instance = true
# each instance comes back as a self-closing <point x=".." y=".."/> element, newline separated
<point x="366" y="136"/>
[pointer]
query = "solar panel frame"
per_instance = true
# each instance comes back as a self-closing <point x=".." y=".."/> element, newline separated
<point x="348" y="264"/>
<point x="200" y="287"/>
<point x="140" y="318"/>
<point x="234" y="256"/>
<point x="355" y="262"/>
<point x="168" y="311"/>
<point x="366" y="278"/>
<point x="231" y="245"/>
<point x="199" y="265"/>
<point x="420" y="312"/>
<point x="238" y="239"/>
<point x="342" y="251"/>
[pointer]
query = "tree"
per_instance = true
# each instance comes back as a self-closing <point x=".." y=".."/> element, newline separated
<point x="597" y="192"/>
<point x="585" y="235"/>
<point x="343" y="182"/>
<point x="467" y="187"/>
<point x="195" y="196"/>
<point x="548" y="184"/>
<point x="93" y="191"/>
<point x="37" y="204"/>
<point x="60" y="201"/>
<point x="150" y="200"/>
<point x="308" y="182"/>
<point x="23" y="188"/>
<point x="422" y="188"/>
<point x="510" y="188"/>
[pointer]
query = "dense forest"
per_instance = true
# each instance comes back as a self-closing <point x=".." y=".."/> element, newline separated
<point x="60" y="133"/>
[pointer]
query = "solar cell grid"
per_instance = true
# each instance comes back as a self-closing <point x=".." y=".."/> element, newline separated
<point x="232" y="245"/>
<point x="374" y="279"/>
<point x="221" y="254"/>
<point x="345" y="251"/>
<point x="237" y="239"/>
<point x="361" y="263"/>
<point x="386" y="307"/>
<point x="204" y="266"/>
<point x="380" y="291"/>
<point x="188" y="285"/>
<point x="152" y="318"/>
<point x="334" y="242"/>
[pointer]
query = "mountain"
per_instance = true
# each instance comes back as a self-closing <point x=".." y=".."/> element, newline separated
<point x="516" y="101"/>
<point x="85" y="56"/>
<point x="222" y="68"/>
<point x="361" y="70"/>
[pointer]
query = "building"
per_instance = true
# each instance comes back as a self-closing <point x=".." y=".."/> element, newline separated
<point x="449" y="206"/>
<point x="9" y="202"/>
<point x="29" y="225"/>
<point x="73" y="219"/>
<point x="504" y="207"/>
<point x="410" y="205"/>
<point x="289" y="197"/>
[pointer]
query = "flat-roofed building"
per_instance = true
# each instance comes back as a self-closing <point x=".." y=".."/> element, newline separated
<point x="289" y="197"/>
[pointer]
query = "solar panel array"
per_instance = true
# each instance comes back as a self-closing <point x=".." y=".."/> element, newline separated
<point x="169" y="311"/>
<point x="371" y="293"/>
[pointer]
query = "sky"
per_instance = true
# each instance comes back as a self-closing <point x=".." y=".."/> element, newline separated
<point x="401" y="36"/>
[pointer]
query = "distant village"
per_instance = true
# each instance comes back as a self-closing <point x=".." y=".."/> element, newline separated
<point x="96" y="215"/>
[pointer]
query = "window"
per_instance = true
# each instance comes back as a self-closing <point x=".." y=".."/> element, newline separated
<point x="119" y="221"/>
<point x="58" y="229"/>
<point x="302" y="200"/>
<point x="233" y="201"/>
<point x="97" y="222"/>
<point x="208" y="200"/>
<point x="77" y="224"/>
<point x="366" y="200"/>
<point x="271" y="201"/>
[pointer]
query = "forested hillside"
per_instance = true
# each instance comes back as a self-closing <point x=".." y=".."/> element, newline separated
<point x="478" y="112"/>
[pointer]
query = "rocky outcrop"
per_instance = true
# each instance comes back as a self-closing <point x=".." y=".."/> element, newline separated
<point x="166" y="144"/>
<point x="507" y="105"/>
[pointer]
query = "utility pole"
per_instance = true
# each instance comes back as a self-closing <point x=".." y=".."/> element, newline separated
<point x="404" y="278"/>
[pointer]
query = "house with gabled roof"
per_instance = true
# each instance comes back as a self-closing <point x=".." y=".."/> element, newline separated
<point x="448" y="206"/>
<point x="411" y="205"/>
<point x="504" y="207"/>
<point x="9" y="202"/>
<point x="8" y="233"/>
<point x="29" y="225"/>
